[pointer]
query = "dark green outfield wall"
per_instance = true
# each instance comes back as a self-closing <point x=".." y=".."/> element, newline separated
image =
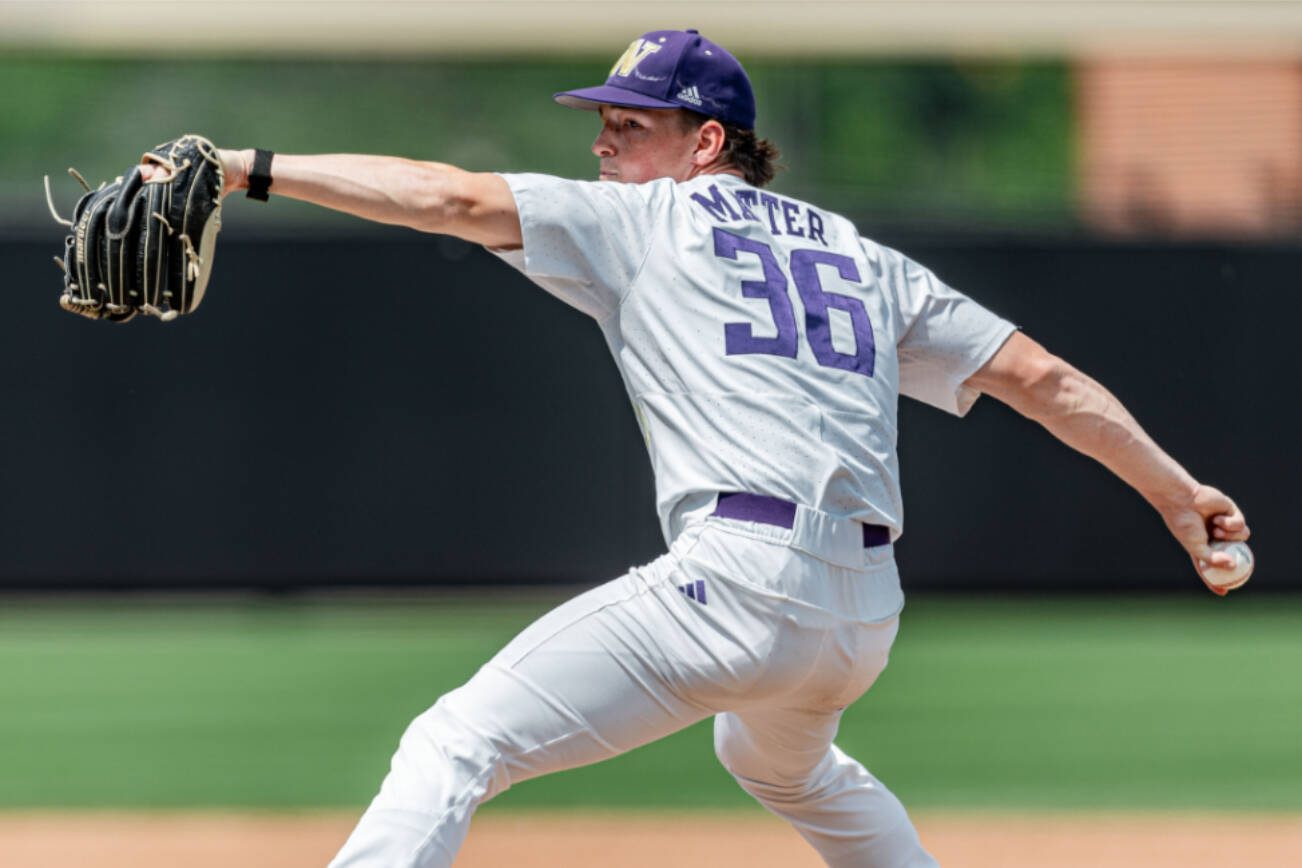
<point x="395" y="409"/>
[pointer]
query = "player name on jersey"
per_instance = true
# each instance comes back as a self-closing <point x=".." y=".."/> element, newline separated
<point x="783" y="216"/>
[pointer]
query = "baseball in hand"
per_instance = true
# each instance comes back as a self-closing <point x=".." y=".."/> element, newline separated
<point x="1224" y="579"/>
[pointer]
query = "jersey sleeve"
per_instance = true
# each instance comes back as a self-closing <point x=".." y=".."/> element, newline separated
<point x="584" y="241"/>
<point x="945" y="336"/>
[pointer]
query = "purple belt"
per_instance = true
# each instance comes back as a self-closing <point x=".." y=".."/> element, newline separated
<point x="782" y="513"/>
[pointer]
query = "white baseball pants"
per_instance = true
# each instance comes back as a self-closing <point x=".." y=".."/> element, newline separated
<point x="763" y="644"/>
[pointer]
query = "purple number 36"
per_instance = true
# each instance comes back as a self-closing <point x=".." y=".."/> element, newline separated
<point x="739" y="339"/>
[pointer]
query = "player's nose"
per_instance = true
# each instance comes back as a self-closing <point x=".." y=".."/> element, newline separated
<point x="602" y="146"/>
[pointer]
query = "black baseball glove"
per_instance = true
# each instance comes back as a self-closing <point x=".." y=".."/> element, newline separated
<point x="144" y="246"/>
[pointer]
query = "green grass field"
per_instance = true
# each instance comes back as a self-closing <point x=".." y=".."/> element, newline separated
<point x="1188" y="702"/>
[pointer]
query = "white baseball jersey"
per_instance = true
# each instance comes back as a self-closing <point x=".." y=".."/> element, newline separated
<point x="762" y="341"/>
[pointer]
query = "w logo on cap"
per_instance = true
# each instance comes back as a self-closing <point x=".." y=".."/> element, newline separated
<point x="636" y="52"/>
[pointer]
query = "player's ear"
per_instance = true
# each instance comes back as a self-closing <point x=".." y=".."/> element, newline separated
<point x="710" y="138"/>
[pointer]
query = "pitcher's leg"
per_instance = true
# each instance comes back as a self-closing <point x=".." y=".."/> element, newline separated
<point x="786" y="760"/>
<point x="783" y="756"/>
<point x="583" y="683"/>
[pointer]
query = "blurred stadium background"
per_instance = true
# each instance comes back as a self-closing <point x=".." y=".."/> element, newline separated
<point x="374" y="455"/>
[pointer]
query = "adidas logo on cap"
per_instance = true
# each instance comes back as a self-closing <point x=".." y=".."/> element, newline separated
<point x="690" y="94"/>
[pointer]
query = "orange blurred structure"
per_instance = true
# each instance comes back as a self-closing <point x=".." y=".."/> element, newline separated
<point x="1207" y="148"/>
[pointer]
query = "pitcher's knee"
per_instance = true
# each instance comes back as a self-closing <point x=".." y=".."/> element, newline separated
<point x="443" y="758"/>
<point x="733" y="747"/>
<point x="788" y="782"/>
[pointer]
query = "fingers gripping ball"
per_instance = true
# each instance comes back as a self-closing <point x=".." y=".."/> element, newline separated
<point x="1222" y="580"/>
<point x="142" y="246"/>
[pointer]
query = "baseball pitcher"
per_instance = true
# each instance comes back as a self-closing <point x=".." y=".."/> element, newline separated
<point x="764" y="344"/>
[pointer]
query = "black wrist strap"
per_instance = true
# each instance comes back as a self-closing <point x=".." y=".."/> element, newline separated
<point x="260" y="175"/>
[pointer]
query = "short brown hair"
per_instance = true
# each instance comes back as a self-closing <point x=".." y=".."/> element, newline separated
<point x="756" y="158"/>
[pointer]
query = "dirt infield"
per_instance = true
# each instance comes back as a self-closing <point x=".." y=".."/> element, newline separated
<point x="118" y="840"/>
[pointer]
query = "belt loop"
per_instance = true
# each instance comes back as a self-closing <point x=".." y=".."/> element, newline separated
<point x="838" y="541"/>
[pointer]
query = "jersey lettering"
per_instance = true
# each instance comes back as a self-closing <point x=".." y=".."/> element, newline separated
<point x="763" y="208"/>
<point x="717" y="206"/>
<point x="770" y="205"/>
<point x="739" y="338"/>
<point x="789" y="212"/>
<point x="746" y="198"/>
<point x="804" y="268"/>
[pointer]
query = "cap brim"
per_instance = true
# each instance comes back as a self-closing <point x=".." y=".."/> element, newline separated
<point x="592" y="98"/>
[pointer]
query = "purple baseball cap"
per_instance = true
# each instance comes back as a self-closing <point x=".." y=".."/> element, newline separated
<point x="668" y="69"/>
